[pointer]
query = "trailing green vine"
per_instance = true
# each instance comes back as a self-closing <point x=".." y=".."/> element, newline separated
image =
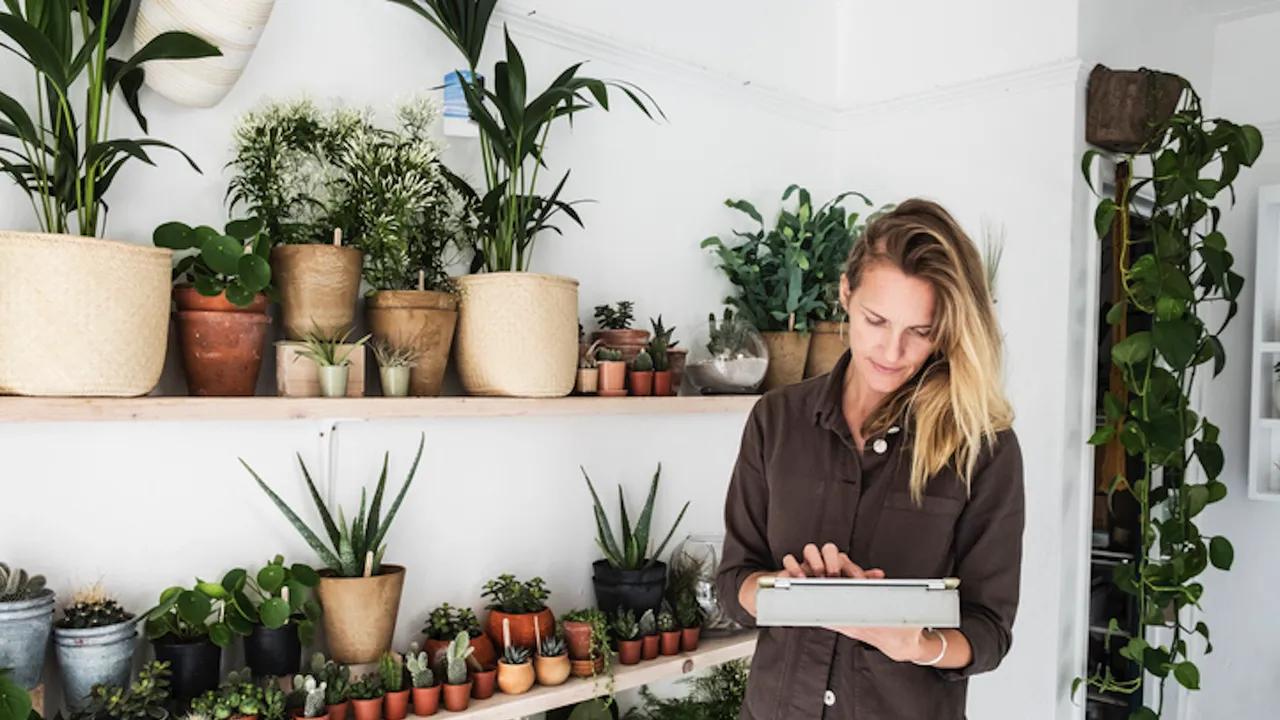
<point x="1186" y="268"/>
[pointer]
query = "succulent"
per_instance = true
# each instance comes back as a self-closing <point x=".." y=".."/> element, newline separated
<point x="145" y="699"/>
<point x="235" y="697"/>
<point x="643" y="362"/>
<point x="648" y="624"/>
<point x="553" y="646"/>
<point x="91" y="608"/>
<point x="273" y="702"/>
<point x="389" y="355"/>
<point x="419" y="666"/>
<point x="660" y="343"/>
<point x="666" y="619"/>
<point x="326" y="349"/>
<point x="446" y="621"/>
<point x="632" y="551"/>
<point x="512" y="596"/>
<point x="456" y="659"/>
<point x="391" y="670"/>
<point x="608" y="354"/>
<point x="615" y="317"/>
<point x="313" y="695"/>
<point x="624" y="625"/>
<point x="368" y="687"/>
<point x="16" y="585"/>
<point x="688" y="612"/>
<point x="336" y="678"/>
<point x="515" y="655"/>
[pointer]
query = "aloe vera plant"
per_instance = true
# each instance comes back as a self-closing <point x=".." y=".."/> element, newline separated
<point x="631" y="550"/>
<point x="354" y="545"/>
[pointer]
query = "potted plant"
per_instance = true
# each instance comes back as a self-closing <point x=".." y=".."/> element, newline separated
<point x="457" y="688"/>
<point x="366" y="697"/>
<point x="426" y="693"/>
<point x="521" y="606"/>
<point x="189" y="628"/>
<point x="835" y="235"/>
<point x="648" y="635"/>
<point x="220" y="288"/>
<point x="234" y="698"/>
<point x="395" y="362"/>
<point x="730" y="357"/>
<point x="443" y="625"/>
<point x="274" y="702"/>
<point x="337" y="685"/>
<point x="642" y="374"/>
<point x="506" y="306"/>
<point x="94" y="640"/>
<point x="588" y="382"/>
<point x="586" y="632"/>
<point x="313" y="696"/>
<point x="515" y="670"/>
<point x="146" y="699"/>
<point x="660" y="350"/>
<point x="551" y="664"/>
<point x="396" y="697"/>
<point x="94" y="315"/>
<point x="669" y="629"/>
<point x="26" y="619"/>
<point x="630" y="574"/>
<point x="613" y="372"/>
<point x="332" y="356"/>
<point x="282" y="614"/>
<point x="616" y="331"/>
<point x="689" y="615"/>
<point x="627" y="633"/>
<point x="359" y="594"/>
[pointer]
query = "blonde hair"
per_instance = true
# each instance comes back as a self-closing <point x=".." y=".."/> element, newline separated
<point x="956" y="398"/>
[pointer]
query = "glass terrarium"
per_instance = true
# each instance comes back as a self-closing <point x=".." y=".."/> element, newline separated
<point x="699" y="555"/>
<point x="728" y="356"/>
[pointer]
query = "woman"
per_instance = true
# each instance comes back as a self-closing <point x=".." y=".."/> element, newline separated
<point x="902" y="461"/>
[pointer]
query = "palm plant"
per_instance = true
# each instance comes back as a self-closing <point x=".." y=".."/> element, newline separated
<point x="631" y="550"/>
<point x="463" y="22"/>
<point x="356" y="549"/>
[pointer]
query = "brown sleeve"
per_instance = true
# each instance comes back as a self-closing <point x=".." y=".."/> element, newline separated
<point x="989" y="557"/>
<point x="746" y="544"/>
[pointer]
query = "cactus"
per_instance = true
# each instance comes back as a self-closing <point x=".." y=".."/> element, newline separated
<point x="726" y="340"/>
<point x="391" y="669"/>
<point x="648" y="624"/>
<point x="624" y="625"/>
<point x="368" y="687"/>
<point x="608" y="354"/>
<point x="273" y="702"/>
<point x="16" y="585"/>
<point x="553" y="646"/>
<point x="660" y="344"/>
<point x="456" y="659"/>
<point x="666" y="619"/>
<point x="515" y="655"/>
<point x="419" y="665"/>
<point x="643" y="362"/>
<point x="91" y="608"/>
<point x="313" y="695"/>
<point x="336" y="677"/>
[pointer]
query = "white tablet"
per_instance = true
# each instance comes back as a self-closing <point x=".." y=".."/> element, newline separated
<point x="831" y="602"/>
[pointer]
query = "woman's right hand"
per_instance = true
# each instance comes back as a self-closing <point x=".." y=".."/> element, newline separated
<point x="826" y="561"/>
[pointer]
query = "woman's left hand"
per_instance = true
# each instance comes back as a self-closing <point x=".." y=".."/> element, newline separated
<point x="901" y="644"/>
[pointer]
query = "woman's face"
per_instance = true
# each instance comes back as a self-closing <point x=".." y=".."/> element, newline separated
<point x="890" y="326"/>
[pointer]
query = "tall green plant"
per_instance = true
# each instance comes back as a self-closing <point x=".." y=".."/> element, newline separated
<point x="463" y="22"/>
<point x="1192" y="160"/>
<point x="631" y="550"/>
<point x="351" y="545"/>
<point x="63" y="162"/>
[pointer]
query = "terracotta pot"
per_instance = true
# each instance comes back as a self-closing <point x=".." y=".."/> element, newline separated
<point x="515" y="679"/>
<point x="255" y="717"/>
<point x="671" y="642"/>
<point x="338" y="711"/>
<point x="1123" y="106"/>
<point x="613" y="378"/>
<point x="586" y="668"/>
<point x="588" y="381"/>
<point x="662" y="383"/>
<point x="788" y="352"/>
<point x="484" y="683"/>
<point x="457" y="697"/>
<point x="221" y="344"/>
<point x="830" y="340"/>
<point x="689" y="638"/>
<point x="395" y="705"/>
<point x="629" y="651"/>
<point x="630" y="341"/>
<point x="484" y="652"/>
<point x="577" y="636"/>
<point x="677" y="359"/>
<point x="360" y="613"/>
<point x="649" y="647"/>
<point x="426" y="701"/>
<point x="642" y="382"/>
<point x="367" y="709"/>
<point x="522" y="633"/>
<point x="422" y="319"/>
<point x="551" y="671"/>
<point x="318" y="285"/>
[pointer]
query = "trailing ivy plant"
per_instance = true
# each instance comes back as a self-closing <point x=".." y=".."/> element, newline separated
<point x="1192" y="161"/>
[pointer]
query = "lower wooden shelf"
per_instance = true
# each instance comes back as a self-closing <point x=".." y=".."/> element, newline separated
<point x="711" y="652"/>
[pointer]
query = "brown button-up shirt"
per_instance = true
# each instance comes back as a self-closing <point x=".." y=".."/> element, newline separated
<point x="800" y="479"/>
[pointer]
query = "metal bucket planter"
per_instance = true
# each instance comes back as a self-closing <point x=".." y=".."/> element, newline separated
<point x="24" y="636"/>
<point x="92" y="656"/>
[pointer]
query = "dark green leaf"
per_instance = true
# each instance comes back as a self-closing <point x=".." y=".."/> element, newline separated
<point x="274" y="612"/>
<point x="1176" y="340"/>
<point x="1132" y="350"/>
<point x="271" y="578"/>
<point x="221" y="253"/>
<point x="175" y="236"/>
<point x="1221" y="553"/>
<point x="193" y="607"/>
<point x="220" y="634"/>
<point x="254" y="272"/>
<point x="165" y="46"/>
<point x="1188" y="675"/>
<point x="1104" y="216"/>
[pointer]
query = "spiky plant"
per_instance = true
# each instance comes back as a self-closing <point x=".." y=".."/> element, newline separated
<point x="368" y="687"/>
<point x="515" y="655"/>
<point x="624" y="625"/>
<point x="660" y="343"/>
<point x="643" y="362"/>
<point x="648" y="623"/>
<point x="553" y="646"/>
<point x="391" y="670"/>
<point x="336" y="677"/>
<point x="360" y="543"/>
<point x="456" y="659"/>
<point x="688" y="611"/>
<point x="389" y="355"/>
<point x="630" y="551"/>
<point x="16" y="585"/>
<point x="91" y="607"/>
<point x="327" y="350"/>
<point x="419" y="666"/>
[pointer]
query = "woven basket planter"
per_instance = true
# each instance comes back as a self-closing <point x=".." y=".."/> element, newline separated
<point x="81" y="316"/>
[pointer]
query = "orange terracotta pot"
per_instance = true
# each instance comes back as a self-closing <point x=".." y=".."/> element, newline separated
<point x="484" y="683"/>
<point x="515" y="679"/>
<point x="367" y="709"/>
<point x="578" y="637"/>
<point x="338" y="711"/>
<point x="613" y="377"/>
<point x="689" y="638"/>
<point x="484" y="652"/>
<point x="396" y="705"/>
<point x="426" y="701"/>
<point x="457" y="697"/>
<point x="629" y="651"/>
<point x="551" y="671"/>
<point x="641" y="382"/>
<point x="671" y="643"/>
<point x="586" y="668"/>
<point x="649" y="647"/>
<point x="522" y="632"/>
<point x="662" y="383"/>
<point x="186" y="297"/>
<point x="221" y="343"/>
<point x="630" y="341"/>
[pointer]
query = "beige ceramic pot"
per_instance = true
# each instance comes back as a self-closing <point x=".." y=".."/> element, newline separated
<point x="360" y="614"/>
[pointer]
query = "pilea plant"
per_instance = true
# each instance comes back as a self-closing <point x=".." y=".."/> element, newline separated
<point x="1193" y="160"/>
<point x="234" y="262"/>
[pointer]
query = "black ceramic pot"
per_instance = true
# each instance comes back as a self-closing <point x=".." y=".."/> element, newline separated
<point x="637" y="590"/>
<point x="196" y="667"/>
<point x="273" y="652"/>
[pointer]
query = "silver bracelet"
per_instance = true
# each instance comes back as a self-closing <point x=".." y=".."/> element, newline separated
<point x="941" y="655"/>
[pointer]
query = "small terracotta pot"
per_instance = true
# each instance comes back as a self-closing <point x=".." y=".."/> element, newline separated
<point x="671" y="643"/>
<point x="521" y="625"/>
<point x="483" y="683"/>
<point x="515" y="679"/>
<point x="396" y="705"/>
<point x="484" y="652"/>
<point x="689" y="638"/>
<point x="662" y="383"/>
<point x="641" y="382"/>
<point x="338" y="711"/>
<point x="426" y="701"/>
<point x="649" y="647"/>
<point x="221" y="343"/>
<point x="360" y="613"/>
<point x="588" y="381"/>
<point x="578" y="637"/>
<point x="457" y="697"/>
<point x="630" y="341"/>
<point x="586" y="668"/>
<point x="255" y="717"/>
<point x="296" y="713"/>
<point x="367" y="709"/>
<point x="551" y="671"/>
<point x="629" y="651"/>
<point x="613" y="377"/>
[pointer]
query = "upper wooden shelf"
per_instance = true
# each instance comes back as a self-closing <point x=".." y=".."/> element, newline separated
<point x="173" y="409"/>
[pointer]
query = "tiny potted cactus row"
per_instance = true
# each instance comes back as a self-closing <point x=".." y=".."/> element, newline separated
<point x="627" y="631"/>
<point x="94" y="640"/>
<point x="395" y="694"/>
<point x="426" y="693"/>
<point x="457" y="687"/>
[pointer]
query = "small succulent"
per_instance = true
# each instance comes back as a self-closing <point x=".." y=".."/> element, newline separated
<point x="515" y="655"/>
<point x="553" y="646"/>
<point x="456" y="659"/>
<point x="336" y="678"/>
<point x="666" y="619"/>
<point x="391" y="670"/>
<point x="447" y="621"/>
<point x="608" y="354"/>
<point x="419" y="666"/>
<point x="624" y="625"/>
<point x="273" y="702"/>
<point x="313" y="695"/>
<point x="688" y="612"/>
<point x="91" y="608"/>
<point x="643" y="362"/>
<point x="648" y="624"/>
<point x="368" y="687"/>
<point x="509" y="595"/>
<point x="389" y="355"/>
<point x="16" y="585"/>
<point x="145" y="699"/>
<point x="615" y="317"/>
<point x="326" y="349"/>
<point x="660" y="344"/>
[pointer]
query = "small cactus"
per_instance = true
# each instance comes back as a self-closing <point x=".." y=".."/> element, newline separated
<point x="456" y="659"/>
<point x="91" y="608"/>
<point x="419" y="665"/>
<point x="368" y="687"/>
<point x="648" y="624"/>
<point x="643" y="362"/>
<point x="624" y="625"/>
<point x="313" y="695"/>
<point x="391" y="670"/>
<point x="666" y="620"/>
<point x="553" y="646"/>
<point x="688" y="612"/>
<point x="336" y="677"/>
<point x="608" y="354"/>
<point x="515" y="655"/>
<point x="16" y="585"/>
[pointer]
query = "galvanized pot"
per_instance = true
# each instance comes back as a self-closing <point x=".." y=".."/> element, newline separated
<point x="24" y="636"/>
<point x="92" y="656"/>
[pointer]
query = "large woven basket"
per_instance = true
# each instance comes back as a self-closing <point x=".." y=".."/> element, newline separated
<point x="81" y="316"/>
<point x="517" y="334"/>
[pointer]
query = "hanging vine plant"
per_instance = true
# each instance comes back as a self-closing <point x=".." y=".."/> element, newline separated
<point x="1191" y="163"/>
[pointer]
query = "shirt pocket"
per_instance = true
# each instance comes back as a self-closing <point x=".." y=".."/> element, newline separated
<point x="915" y="540"/>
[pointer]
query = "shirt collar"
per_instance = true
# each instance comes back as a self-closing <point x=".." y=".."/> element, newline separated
<point x="828" y="406"/>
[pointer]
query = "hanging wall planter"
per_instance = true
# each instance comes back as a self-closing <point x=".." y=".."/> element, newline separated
<point x="1124" y="106"/>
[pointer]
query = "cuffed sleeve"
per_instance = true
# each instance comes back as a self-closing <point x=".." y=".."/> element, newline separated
<point x="988" y="547"/>
<point x="746" y="544"/>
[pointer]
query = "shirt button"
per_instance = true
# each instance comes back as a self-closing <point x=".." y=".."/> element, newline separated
<point x="880" y="446"/>
<point x="829" y="699"/>
<point x="893" y="430"/>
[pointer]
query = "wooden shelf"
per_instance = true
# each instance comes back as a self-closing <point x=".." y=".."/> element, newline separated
<point x="24" y="409"/>
<point x="710" y="652"/>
